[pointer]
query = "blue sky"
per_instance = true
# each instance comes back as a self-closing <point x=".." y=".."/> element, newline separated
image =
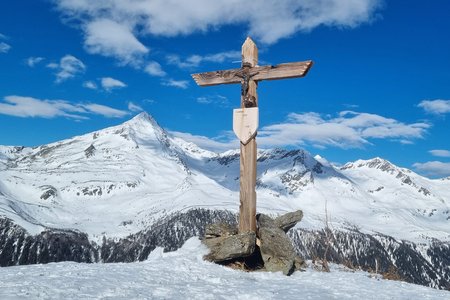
<point x="379" y="85"/>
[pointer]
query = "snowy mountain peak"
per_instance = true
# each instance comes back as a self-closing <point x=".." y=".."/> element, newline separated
<point x="142" y="130"/>
<point x="374" y="163"/>
<point x="142" y="118"/>
<point x="322" y="160"/>
<point x="144" y="123"/>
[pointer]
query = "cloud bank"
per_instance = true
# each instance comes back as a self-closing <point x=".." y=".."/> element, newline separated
<point x="114" y="27"/>
<point x="348" y="130"/>
<point x="434" y="168"/>
<point x="26" y="107"/>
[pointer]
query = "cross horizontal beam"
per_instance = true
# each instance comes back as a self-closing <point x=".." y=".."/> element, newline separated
<point x="281" y="71"/>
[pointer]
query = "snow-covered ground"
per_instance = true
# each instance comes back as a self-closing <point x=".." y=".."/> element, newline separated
<point x="184" y="275"/>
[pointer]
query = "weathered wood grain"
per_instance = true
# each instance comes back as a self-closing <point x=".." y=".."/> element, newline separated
<point x="247" y="184"/>
<point x="247" y="209"/>
<point x="281" y="71"/>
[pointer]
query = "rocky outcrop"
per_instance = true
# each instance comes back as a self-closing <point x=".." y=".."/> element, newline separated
<point x="270" y="249"/>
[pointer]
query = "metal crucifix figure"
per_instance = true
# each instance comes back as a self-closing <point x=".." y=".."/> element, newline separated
<point x="245" y="120"/>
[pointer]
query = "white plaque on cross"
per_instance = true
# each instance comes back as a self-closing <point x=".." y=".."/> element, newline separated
<point x="245" y="123"/>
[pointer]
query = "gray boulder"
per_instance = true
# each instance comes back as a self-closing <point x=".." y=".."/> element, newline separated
<point x="277" y="251"/>
<point x="289" y="220"/>
<point x="230" y="247"/>
<point x="265" y="221"/>
<point x="220" y="229"/>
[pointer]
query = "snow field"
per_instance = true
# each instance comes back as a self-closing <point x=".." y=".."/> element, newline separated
<point x="184" y="275"/>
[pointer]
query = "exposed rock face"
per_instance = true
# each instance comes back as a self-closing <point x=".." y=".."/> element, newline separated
<point x="90" y="151"/>
<point x="230" y="247"/>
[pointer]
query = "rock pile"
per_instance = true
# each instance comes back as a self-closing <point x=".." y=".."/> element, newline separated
<point x="268" y="249"/>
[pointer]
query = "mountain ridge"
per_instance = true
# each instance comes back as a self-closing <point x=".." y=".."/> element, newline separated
<point x="115" y="194"/>
<point x="136" y="173"/>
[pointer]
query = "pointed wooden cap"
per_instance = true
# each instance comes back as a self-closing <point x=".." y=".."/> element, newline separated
<point x="249" y="52"/>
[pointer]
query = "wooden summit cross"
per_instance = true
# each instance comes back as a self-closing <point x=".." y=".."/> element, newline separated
<point x="245" y="120"/>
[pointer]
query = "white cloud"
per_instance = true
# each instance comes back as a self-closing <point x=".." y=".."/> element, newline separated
<point x="435" y="106"/>
<point x="440" y="153"/>
<point x="113" y="39"/>
<point x="25" y="107"/>
<point x="31" y="107"/>
<point x="348" y="130"/>
<point x="153" y="68"/>
<point x="112" y="27"/>
<point x="204" y="100"/>
<point x="109" y="83"/>
<point x="104" y="110"/>
<point x="68" y="67"/>
<point x="214" y="99"/>
<point x="4" y="47"/>
<point x="149" y="101"/>
<point x="90" y="85"/>
<point x="52" y="65"/>
<point x="33" y="61"/>
<point x="195" y="60"/>
<point x="208" y="143"/>
<point x="433" y="168"/>
<point x="134" y="107"/>
<point x="181" y="84"/>
<point x="350" y="106"/>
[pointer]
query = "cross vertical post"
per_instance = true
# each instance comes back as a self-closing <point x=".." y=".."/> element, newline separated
<point x="249" y="98"/>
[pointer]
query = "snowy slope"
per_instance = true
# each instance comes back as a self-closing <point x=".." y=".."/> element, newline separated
<point x="120" y="180"/>
<point x="128" y="173"/>
<point x="400" y="194"/>
<point x="184" y="275"/>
